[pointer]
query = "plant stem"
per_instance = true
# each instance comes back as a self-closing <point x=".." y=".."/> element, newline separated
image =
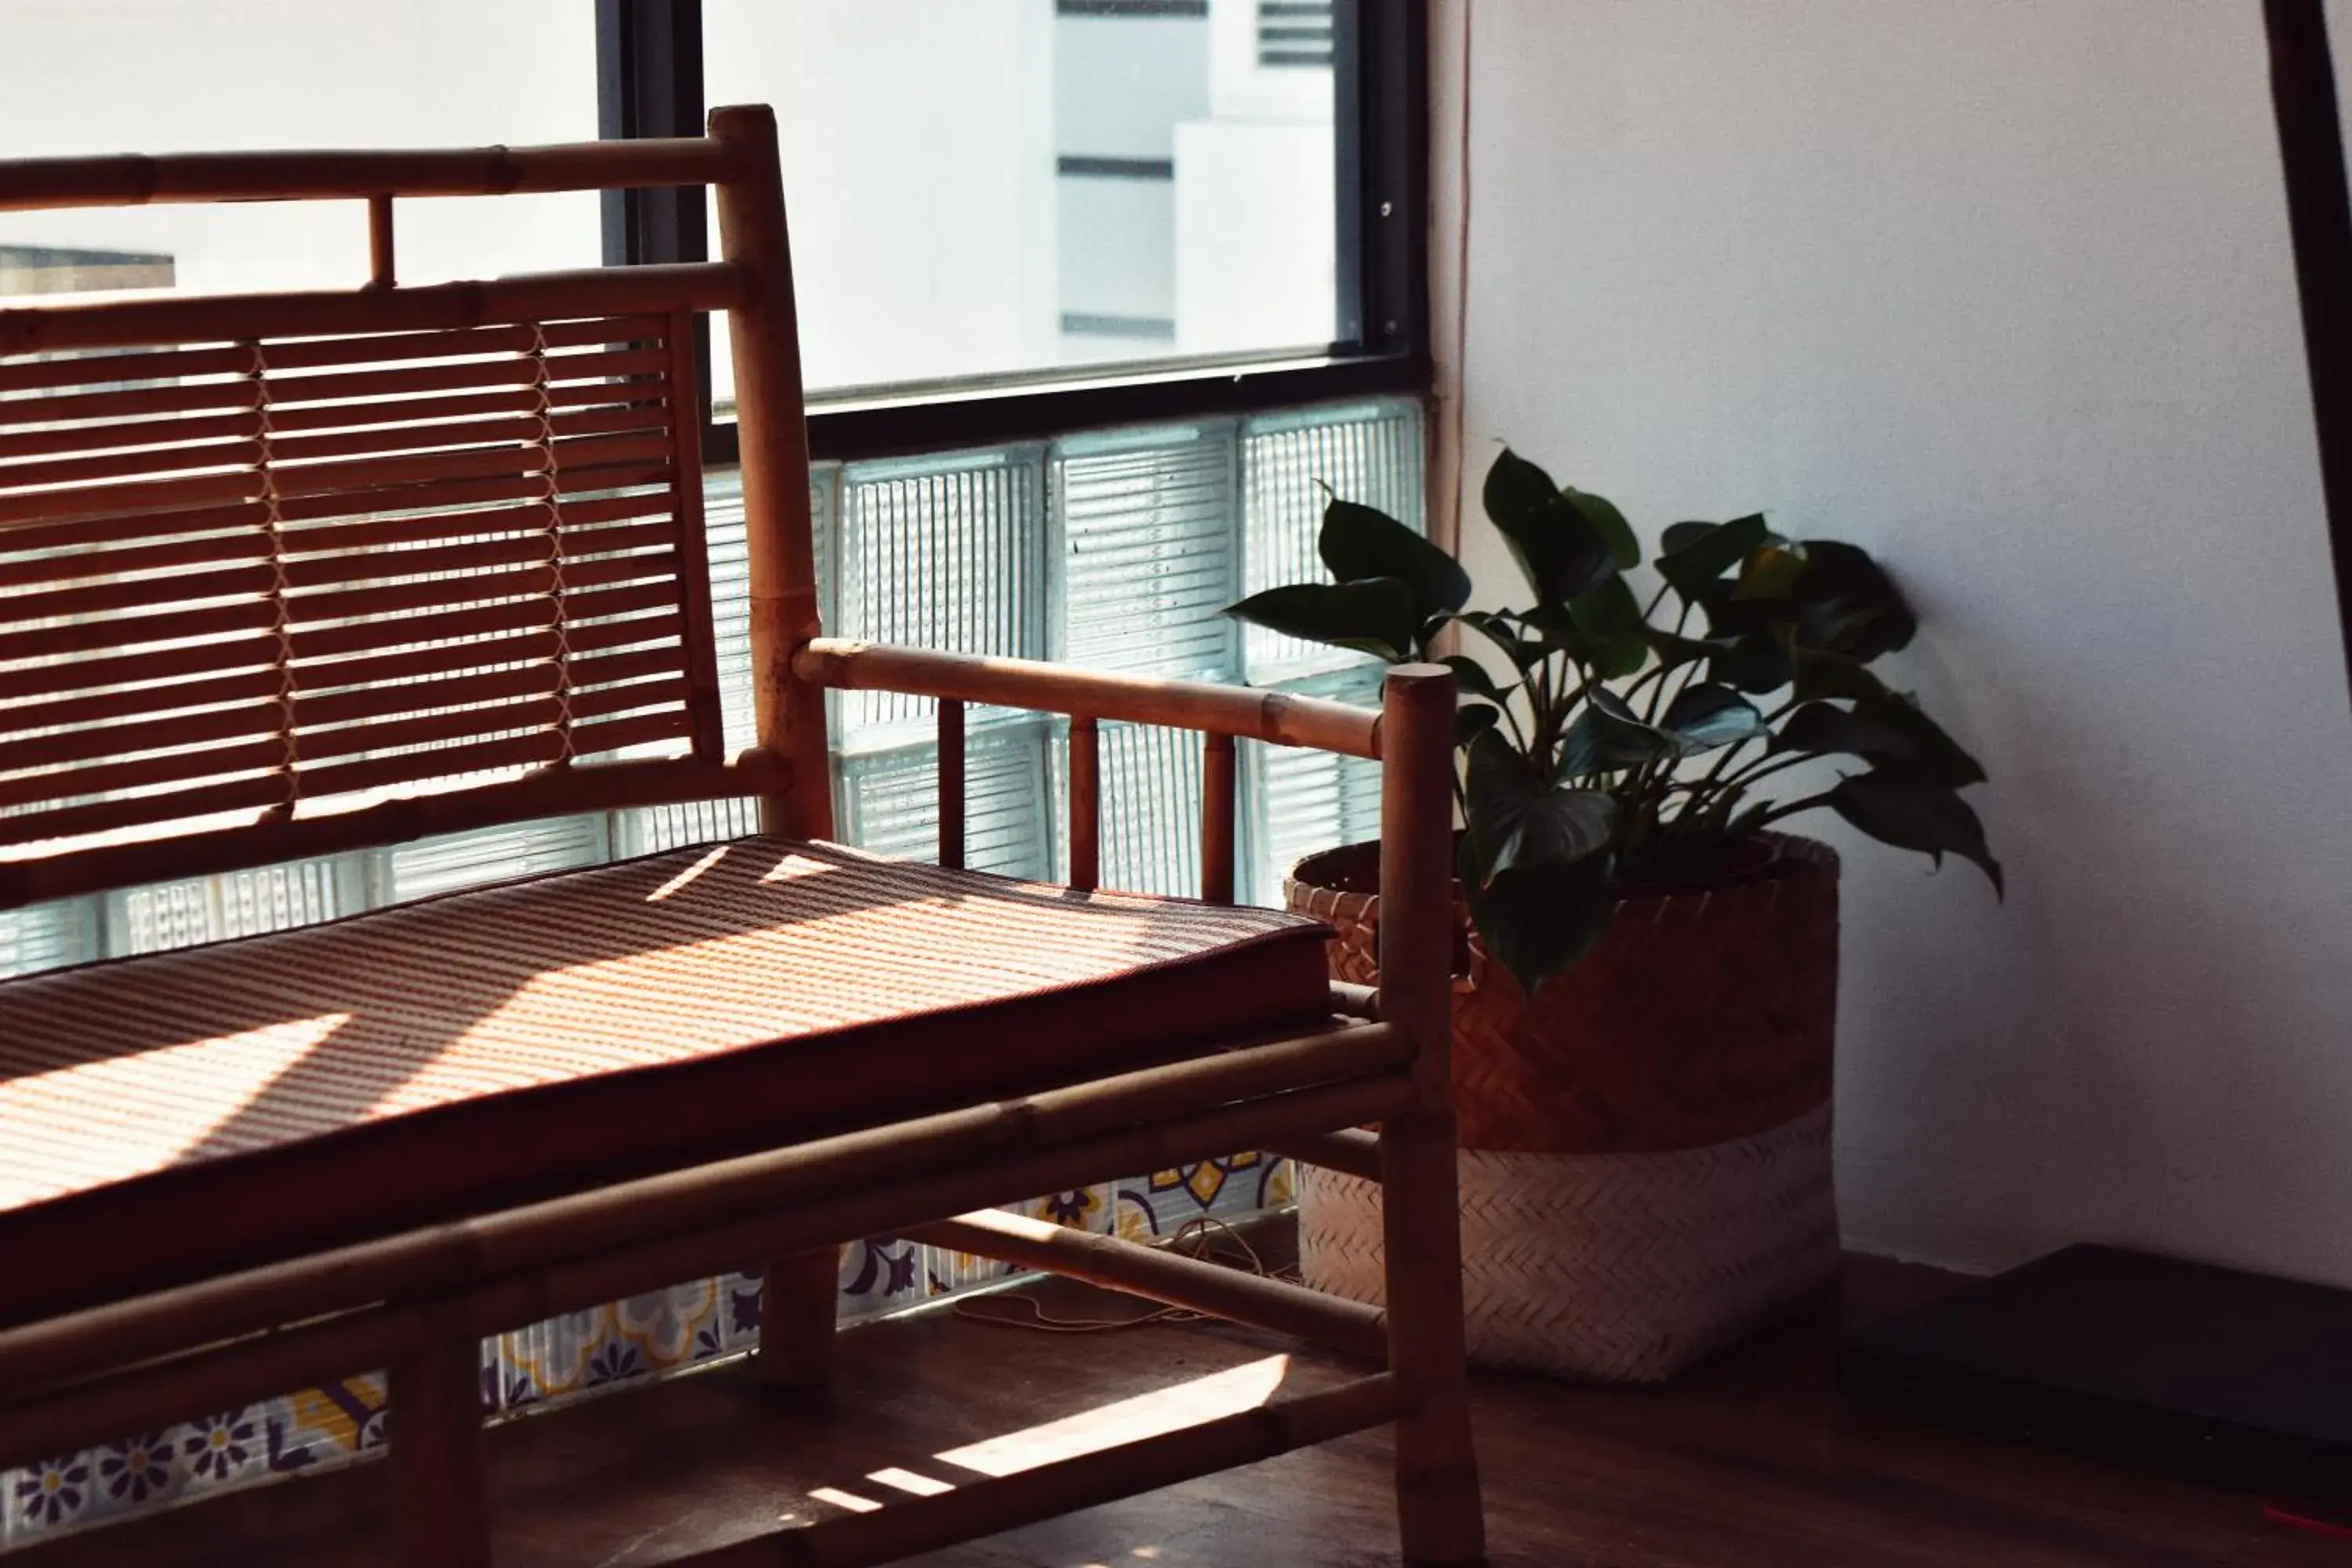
<point x="1771" y="763"/>
<point x="1513" y="720"/>
<point x="1714" y="775"/>
<point x="1659" y="701"/>
<point x="1790" y="808"/>
<point x="1655" y="672"/>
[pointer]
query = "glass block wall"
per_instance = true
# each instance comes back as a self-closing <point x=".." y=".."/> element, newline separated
<point x="1115" y="551"/>
<point x="1111" y="551"/>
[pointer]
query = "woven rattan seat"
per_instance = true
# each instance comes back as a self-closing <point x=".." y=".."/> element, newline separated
<point x="241" y="1100"/>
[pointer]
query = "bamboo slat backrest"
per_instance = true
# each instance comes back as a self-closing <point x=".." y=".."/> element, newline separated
<point x="281" y="575"/>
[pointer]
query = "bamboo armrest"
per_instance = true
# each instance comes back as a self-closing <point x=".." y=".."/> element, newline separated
<point x="1032" y="684"/>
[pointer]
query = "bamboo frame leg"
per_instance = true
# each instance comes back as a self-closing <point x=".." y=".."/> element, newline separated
<point x="443" y="1515"/>
<point x="951" y="781"/>
<point x="1438" y="1511"/>
<point x="1086" y="804"/>
<point x="770" y="417"/>
<point x="798" y="1314"/>
<point x="1216" y="819"/>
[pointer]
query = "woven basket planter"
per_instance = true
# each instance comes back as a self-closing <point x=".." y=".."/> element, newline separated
<point x="1645" y="1150"/>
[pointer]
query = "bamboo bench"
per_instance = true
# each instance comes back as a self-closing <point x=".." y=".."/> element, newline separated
<point x="289" y="574"/>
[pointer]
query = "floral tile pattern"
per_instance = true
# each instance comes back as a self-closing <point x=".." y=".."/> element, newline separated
<point x="579" y="1354"/>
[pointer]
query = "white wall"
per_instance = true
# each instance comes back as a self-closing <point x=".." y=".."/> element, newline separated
<point x="2000" y="288"/>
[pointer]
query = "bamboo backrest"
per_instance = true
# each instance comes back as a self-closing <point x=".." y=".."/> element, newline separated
<point x="290" y="574"/>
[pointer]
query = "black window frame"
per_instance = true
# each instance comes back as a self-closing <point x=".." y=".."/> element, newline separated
<point x="649" y="83"/>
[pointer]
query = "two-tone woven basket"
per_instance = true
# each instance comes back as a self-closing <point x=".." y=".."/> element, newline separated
<point x="1645" y="1150"/>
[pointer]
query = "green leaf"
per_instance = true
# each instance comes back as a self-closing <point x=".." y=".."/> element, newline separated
<point x="1902" y="805"/>
<point x="1561" y="554"/>
<point x="1518" y="819"/>
<point x="1471" y="718"/>
<point x="1703" y="716"/>
<point x="1472" y="677"/>
<point x="1610" y="617"/>
<point x="1374" y="617"/>
<point x="1358" y="542"/>
<point x="1538" y="921"/>
<point x="1830" y="675"/>
<point x="1887" y="726"/>
<point x="1498" y="780"/>
<point x="1674" y="651"/>
<point x="1524" y="655"/>
<point x="1562" y="630"/>
<point x="1700" y="558"/>
<point x="1753" y="662"/>
<point x="1606" y="737"/>
<point x="1825" y="728"/>
<point x="1611" y="523"/>
<point x="1850" y="604"/>
<point x="1936" y="752"/>
<point x="1771" y="572"/>
<point x="1683" y="535"/>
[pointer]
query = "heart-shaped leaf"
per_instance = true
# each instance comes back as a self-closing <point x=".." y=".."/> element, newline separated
<point x="1752" y="662"/>
<point x="1523" y="653"/>
<point x="1854" y="607"/>
<point x="1538" y="921"/>
<point x="1561" y="552"/>
<point x="1900" y="803"/>
<point x="1611" y="523"/>
<point x="1674" y="650"/>
<point x="1518" y="819"/>
<point x="1609" y="619"/>
<point x="1606" y="737"/>
<point x="1375" y="616"/>
<point x="1695" y="559"/>
<point x="1771" y="572"/>
<point x="1704" y="716"/>
<point x="1472" y="677"/>
<point x="1472" y="717"/>
<point x="1358" y="543"/>
<point x="1830" y="675"/>
<point x="1579" y="630"/>
<point x="1936" y="753"/>
<point x="1825" y="728"/>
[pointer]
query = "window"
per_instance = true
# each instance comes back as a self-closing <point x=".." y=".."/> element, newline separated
<point x="84" y="77"/>
<point x="1020" y="217"/>
<point x="984" y="186"/>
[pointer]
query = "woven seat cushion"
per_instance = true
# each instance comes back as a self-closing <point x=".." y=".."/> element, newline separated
<point x="173" y="1115"/>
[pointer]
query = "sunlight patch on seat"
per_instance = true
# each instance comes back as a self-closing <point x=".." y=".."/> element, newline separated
<point x="687" y="876"/>
<point x="1228" y="1392"/>
<point x="141" y="1112"/>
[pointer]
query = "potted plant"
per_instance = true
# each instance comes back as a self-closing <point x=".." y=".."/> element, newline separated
<point x="1647" y="999"/>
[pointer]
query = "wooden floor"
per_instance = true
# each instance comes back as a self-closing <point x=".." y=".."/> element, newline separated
<point x="1752" y="1461"/>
